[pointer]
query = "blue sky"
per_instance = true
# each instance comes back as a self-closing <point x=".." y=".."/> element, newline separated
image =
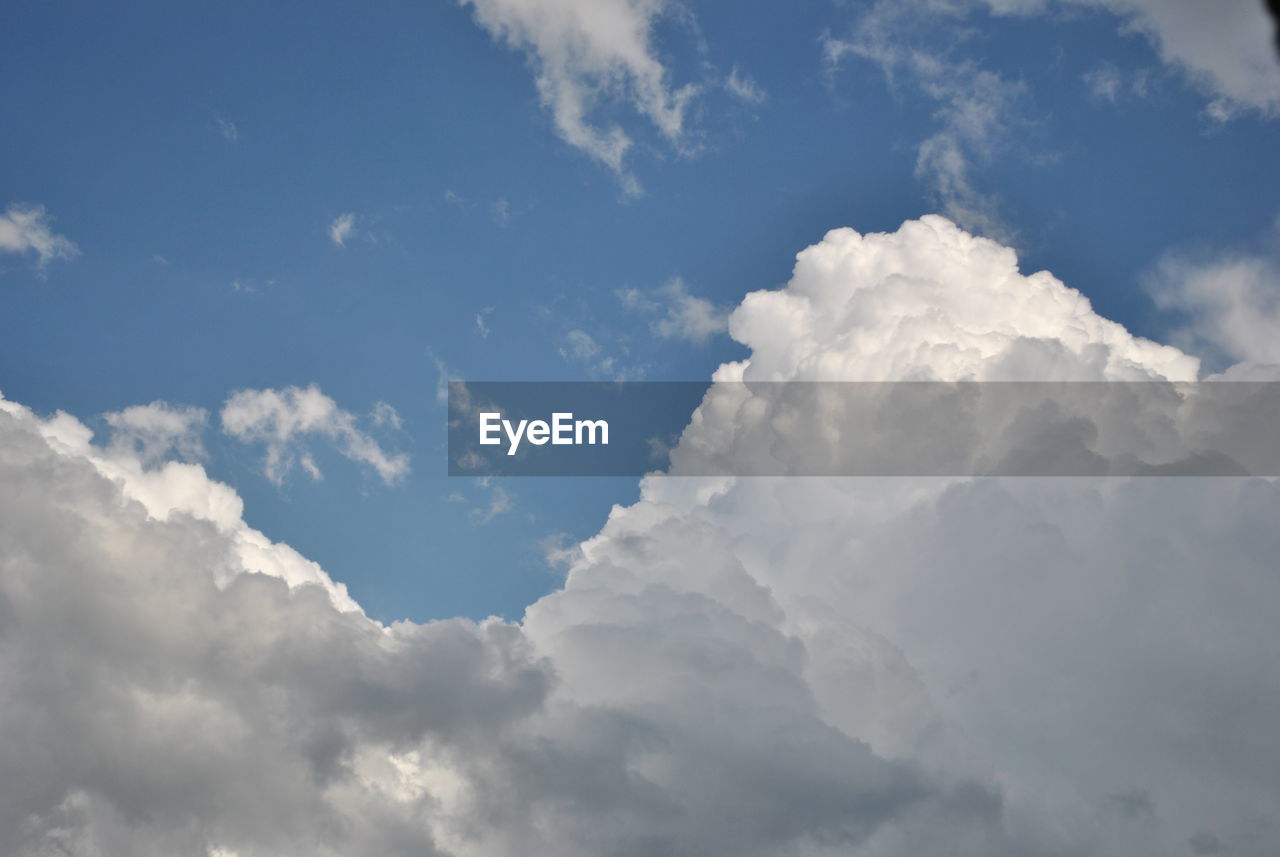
<point x="202" y="159"/>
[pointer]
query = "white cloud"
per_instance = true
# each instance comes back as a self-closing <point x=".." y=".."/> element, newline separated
<point x="813" y="667"/>
<point x="156" y="431"/>
<point x="976" y="107"/>
<point x="1225" y="48"/>
<point x="682" y="315"/>
<point x="1109" y="83"/>
<point x="588" y="52"/>
<point x="500" y="501"/>
<point x="741" y="86"/>
<point x="25" y="228"/>
<point x="284" y="419"/>
<point x="579" y="345"/>
<point x="342" y="228"/>
<point x="500" y="211"/>
<point x="1230" y="301"/>
<point x="228" y="130"/>
<point x="455" y="199"/>
<point x="582" y="348"/>
<point x="481" y="327"/>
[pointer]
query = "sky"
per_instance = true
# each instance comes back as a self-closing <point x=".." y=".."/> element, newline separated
<point x="244" y="246"/>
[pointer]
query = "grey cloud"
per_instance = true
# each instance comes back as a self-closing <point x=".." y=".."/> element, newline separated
<point x="809" y="667"/>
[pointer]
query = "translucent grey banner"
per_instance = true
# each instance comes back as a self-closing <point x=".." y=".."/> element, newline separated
<point x="913" y="428"/>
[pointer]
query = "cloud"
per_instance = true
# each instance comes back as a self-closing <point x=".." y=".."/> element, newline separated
<point x="342" y="228"/>
<point x="500" y="502"/>
<point x="582" y="348"/>
<point x="25" y="228"/>
<point x="977" y="108"/>
<point x="585" y="53"/>
<point x="481" y="327"/>
<point x="1230" y="304"/>
<point x="283" y="419"/>
<point x="1223" y="49"/>
<point x="156" y="431"/>
<point x="228" y="130"/>
<point x="1107" y="82"/>
<point x="500" y="212"/>
<point x="746" y="667"/>
<point x="682" y="316"/>
<point x="742" y="87"/>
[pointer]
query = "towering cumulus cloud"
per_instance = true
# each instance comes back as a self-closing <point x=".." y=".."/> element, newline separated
<point x="884" y="667"/>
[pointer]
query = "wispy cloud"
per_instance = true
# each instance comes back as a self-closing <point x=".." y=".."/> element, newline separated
<point x="284" y="419"/>
<point x="586" y="53"/>
<point x="342" y="228"/>
<point x="153" y="432"/>
<point x="977" y="108"/>
<point x="580" y="347"/>
<point x="227" y="129"/>
<point x="500" y="211"/>
<point x="481" y="327"/>
<point x="680" y="315"/>
<point x="741" y="86"/>
<point x="500" y="501"/>
<point x="27" y="229"/>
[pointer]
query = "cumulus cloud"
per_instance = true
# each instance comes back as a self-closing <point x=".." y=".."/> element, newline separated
<point x="284" y="419"/>
<point x="813" y="667"/>
<point x="342" y="228"/>
<point x="681" y="315"/>
<point x="585" y="53"/>
<point x="26" y="228"/>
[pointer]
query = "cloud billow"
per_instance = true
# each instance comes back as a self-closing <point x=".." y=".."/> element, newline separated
<point x="818" y="667"/>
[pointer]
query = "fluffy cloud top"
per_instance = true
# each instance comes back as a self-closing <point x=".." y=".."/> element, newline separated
<point x="584" y="52"/>
<point x="812" y="667"/>
<point x="26" y="228"/>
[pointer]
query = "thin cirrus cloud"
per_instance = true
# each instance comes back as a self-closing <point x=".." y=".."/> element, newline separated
<point x="983" y="668"/>
<point x="585" y="52"/>
<point x="283" y="421"/>
<point x="28" y="229"/>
